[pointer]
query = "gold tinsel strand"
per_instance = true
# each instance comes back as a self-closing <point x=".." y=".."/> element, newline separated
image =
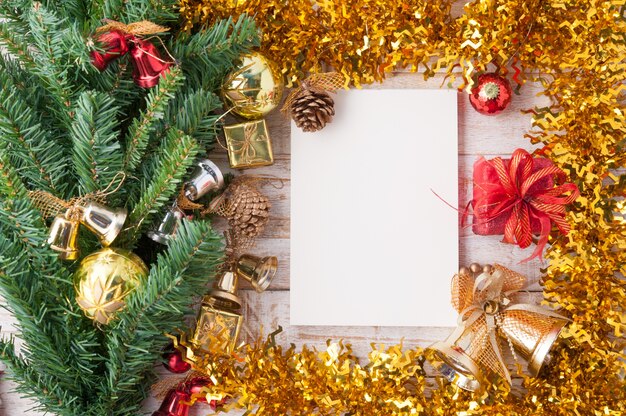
<point x="576" y="49"/>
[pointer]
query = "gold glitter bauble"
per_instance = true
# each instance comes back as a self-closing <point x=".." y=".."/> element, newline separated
<point x="254" y="88"/>
<point x="104" y="279"/>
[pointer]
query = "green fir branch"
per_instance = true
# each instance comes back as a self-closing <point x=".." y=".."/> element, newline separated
<point x="67" y="128"/>
<point x="11" y="185"/>
<point x="15" y="44"/>
<point x="39" y="159"/>
<point x="143" y="126"/>
<point x="97" y="153"/>
<point x="207" y="56"/>
<point x="193" y="113"/>
<point x="174" y="157"/>
<point x="48" y="35"/>
<point x="43" y="389"/>
<point x="136" y="338"/>
<point x="34" y="300"/>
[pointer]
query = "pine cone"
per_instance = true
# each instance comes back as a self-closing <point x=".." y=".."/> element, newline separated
<point x="247" y="211"/>
<point x="312" y="110"/>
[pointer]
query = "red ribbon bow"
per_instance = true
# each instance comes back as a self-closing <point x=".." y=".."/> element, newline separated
<point x="525" y="195"/>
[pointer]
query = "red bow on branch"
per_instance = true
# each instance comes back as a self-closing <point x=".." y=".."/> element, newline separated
<point x="118" y="39"/>
<point x="518" y="197"/>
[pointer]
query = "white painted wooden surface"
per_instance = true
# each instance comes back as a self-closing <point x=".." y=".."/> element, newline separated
<point x="478" y="135"/>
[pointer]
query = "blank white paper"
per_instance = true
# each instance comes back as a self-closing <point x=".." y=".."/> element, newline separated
<point x="371" y="244"/>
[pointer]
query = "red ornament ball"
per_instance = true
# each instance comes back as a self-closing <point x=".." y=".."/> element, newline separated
<point x="173" y="361"/>
<point x="491" y="94"/>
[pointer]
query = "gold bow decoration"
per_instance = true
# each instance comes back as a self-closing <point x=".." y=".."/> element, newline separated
<point x="490" y="313"/>
<point x="142" y="28"/>
<point x="51" y="206"/>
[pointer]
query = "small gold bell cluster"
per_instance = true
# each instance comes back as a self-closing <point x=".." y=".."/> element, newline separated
<point x="467" y="358"/>
<point x="105" y="222"/>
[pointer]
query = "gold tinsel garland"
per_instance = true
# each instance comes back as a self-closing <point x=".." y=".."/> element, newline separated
<point x="576" y="49"/>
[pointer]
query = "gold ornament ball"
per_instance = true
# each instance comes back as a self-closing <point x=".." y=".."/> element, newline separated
<point x="254" y="88"/>
<point x="104" y="279"/>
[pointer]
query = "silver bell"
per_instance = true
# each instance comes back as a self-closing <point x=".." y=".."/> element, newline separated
<point x="206" y="177"/>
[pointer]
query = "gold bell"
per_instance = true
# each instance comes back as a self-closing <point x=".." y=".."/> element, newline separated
<point x="105" y="222"/>
<point x="453" y="359"/>
<point x="256" y="270"/>
<point x="532" y="336"/>
<point x="63" y="237"/>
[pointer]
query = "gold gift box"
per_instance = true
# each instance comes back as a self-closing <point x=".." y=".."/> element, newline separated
<point x="217" y="325"/>
<point x="248" y="145"/>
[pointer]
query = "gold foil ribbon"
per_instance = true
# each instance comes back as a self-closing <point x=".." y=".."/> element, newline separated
<point x="323" y="82"/>
<point x="482" y="304"/>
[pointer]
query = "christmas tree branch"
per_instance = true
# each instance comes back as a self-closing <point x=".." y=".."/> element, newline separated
<point x="67" y="128"/>
<point x="169" y="166"/>
<point x="36" y="305"/>
<point x="11" y="185"/>
<point x="207" y="56"/>
<point x="48" y="39"/>
<point x="38" y="156"/>
<point x="143" y="126"/>
<point x="39" y="386"/>
<point x="97" y="153"/>
<point x="14" y="37"/>
<point x="158" y="307"/>
<point x="192" y="112"/>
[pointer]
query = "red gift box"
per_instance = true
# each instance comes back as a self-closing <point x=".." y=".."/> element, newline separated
<point x="487" y="193"/>
<point x="519" y="197"/>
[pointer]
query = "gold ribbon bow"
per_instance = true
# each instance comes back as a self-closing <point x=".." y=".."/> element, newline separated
<point x="51" y="206"/>
<point x="141" y="28"/>
<point x="486" y="306"/>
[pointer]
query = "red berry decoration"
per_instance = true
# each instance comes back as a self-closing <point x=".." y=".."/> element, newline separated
<point x="491" y="94"/>
<point x="173" y="361"/>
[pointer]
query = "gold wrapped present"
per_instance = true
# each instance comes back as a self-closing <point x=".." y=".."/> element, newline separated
<point x="248" y="145"/>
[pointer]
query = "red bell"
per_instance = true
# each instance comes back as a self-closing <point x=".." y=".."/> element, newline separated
<point x="174" y="362"/>
<point x="147" y="63"/>
<point x="115" y="45"/>
<point x="173" y="404"/>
